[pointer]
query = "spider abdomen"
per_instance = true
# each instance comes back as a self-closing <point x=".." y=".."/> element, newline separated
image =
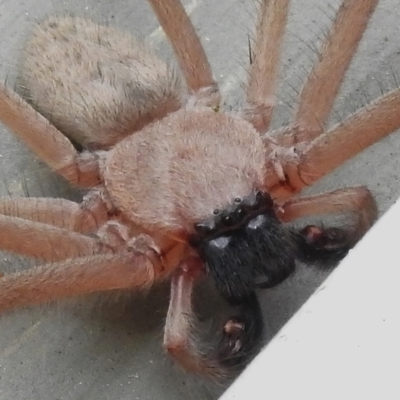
<point x="177" y="171"/>
<point x="95" y="84"/>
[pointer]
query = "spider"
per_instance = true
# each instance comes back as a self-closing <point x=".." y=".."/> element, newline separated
<point x="178" y="189"/>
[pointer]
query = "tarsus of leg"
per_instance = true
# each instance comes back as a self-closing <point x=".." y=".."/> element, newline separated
<point x="74" y="277"/>
<point x="318" y="95"/>
<point x="48" y="143"/>
<point x="263" y="75"/>
<point x="187" y="46"/>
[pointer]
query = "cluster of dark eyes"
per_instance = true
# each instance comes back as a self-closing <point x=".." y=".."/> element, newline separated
<point x="234" y="216"/>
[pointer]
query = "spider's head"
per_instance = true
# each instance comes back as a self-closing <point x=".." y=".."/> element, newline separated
<point x="245" y="246"/>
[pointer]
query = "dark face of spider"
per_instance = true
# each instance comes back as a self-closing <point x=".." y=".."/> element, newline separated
<point x="245" y="246"/>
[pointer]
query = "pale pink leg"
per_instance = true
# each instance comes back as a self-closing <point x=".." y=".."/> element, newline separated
<point x="188" y="49"/>
<point x="356" y="200"/>
<point x="75" y="277"/>
<point x="319" y="93"/>
<point x="49" y="144"/>
<point x="344" y="141"/>
<point x="45" y="242"/>
<point x="86" y="217"/>
<point x="263" y="74"/>
<point x="179" y="329"/>
<point x="334" y="147"/>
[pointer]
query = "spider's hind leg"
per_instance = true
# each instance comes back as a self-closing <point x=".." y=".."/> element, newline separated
<point x="48" y="143"/>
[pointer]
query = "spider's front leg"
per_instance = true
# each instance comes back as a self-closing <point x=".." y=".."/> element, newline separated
<point x="318" y="95"/>
<point x="304" y="152"/>
<point x="311" y="161"/>
<point x="361" y="130"/>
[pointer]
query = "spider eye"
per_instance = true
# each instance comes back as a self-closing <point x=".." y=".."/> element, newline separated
<point x="228" y="220"/>
<point x="234" y="217"/>
<point x="240" y="212"/>
<point x="216" y="211"/>
<point x="238" y="200"/>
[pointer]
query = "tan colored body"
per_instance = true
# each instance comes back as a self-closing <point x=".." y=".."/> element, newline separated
<point x="160" y="159"/>
<point x="97" y="85"/>
<point x="179" y="170"/>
